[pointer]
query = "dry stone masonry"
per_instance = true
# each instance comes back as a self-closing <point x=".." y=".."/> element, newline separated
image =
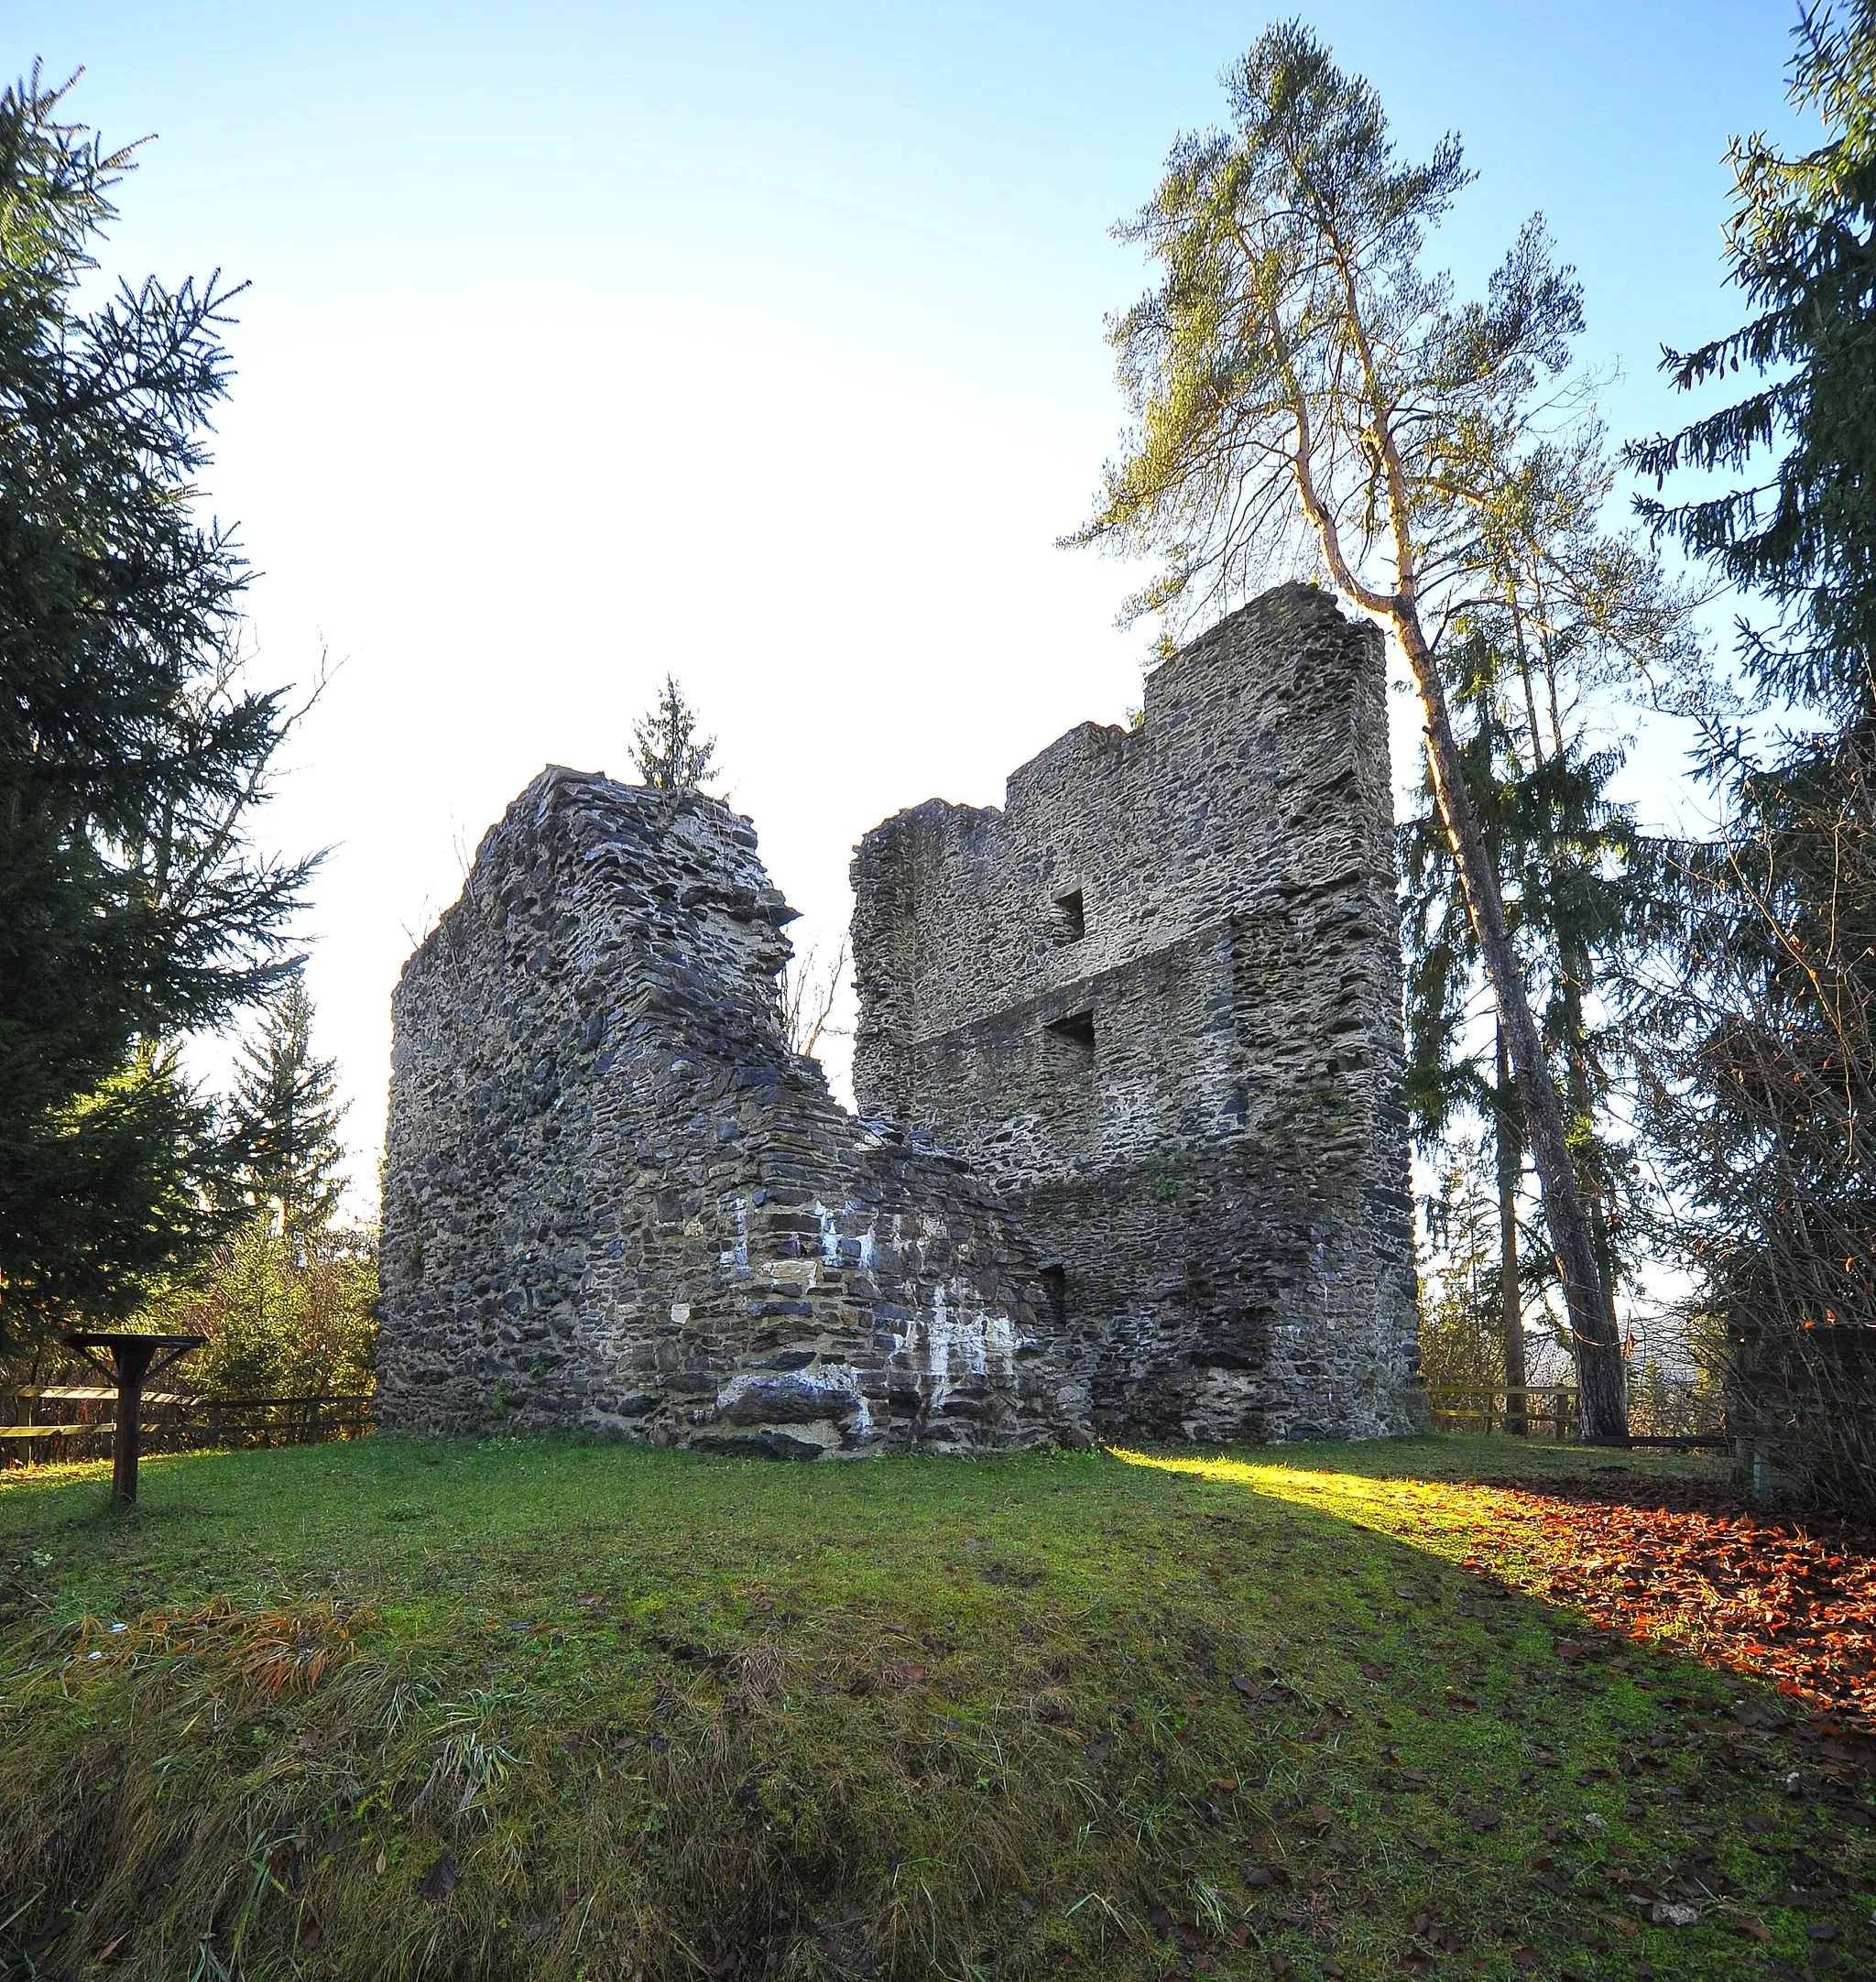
<point x="1131" y="1155"/>
<point x="615" y="1201"/>
<point x="1155" y="1002"/>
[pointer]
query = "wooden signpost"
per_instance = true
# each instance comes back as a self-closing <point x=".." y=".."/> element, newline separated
<point x="134" y="1360"/>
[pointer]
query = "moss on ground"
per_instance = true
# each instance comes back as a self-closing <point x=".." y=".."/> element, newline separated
<point x="556" y="1709"/>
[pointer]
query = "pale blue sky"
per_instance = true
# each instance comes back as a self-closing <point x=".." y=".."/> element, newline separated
<point x="938" y="177"/>
<point x="762" y="342"/>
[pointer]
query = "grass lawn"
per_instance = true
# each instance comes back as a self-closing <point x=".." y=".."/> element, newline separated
<point x="558" y="1709"/>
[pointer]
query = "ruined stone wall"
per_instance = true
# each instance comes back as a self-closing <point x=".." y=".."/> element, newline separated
<point x="613" y="1200"/>
<point x="1155" y="1001"/>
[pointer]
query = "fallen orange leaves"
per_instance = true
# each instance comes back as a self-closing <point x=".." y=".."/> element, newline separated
<point x="1760" y="1596"/>
<point x="1658" y="1559"/>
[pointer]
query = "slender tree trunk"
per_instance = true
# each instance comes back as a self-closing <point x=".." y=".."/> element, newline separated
<point x="1605" y="1259"/>
<point x="1601" y="1387"/>
<point x="1580" y="1104"/>
<point x="1510" y="1155"/>
<point x="1601" y="1384"/>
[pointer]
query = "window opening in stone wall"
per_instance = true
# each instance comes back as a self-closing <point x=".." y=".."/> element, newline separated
<point x="1055" y="1294"/>
<point x="1070" y="917"/>
<point x="1078" y="1030"/>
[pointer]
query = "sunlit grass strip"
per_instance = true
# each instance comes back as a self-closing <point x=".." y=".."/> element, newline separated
<point x="1450" y="1519"/>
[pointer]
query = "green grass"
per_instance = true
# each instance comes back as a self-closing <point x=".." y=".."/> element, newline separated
<point x="552" y="1709"/>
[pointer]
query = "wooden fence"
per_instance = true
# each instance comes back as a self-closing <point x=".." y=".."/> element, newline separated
<point x="173" y="1421"/>
<point x="1550" y="1409"/>
<point x="77" y="1421"/>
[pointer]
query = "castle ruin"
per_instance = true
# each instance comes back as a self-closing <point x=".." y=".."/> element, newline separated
<point x="1130" y="1156"/>
<point x="615" y="1200"/>
<point x="1155" y="1003"/>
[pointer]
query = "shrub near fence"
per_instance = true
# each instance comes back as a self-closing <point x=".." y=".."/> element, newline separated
<point x="76" y="1421"/>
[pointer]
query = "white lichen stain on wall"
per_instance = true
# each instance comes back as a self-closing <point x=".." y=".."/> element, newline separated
<point x="737" y="1255"/>
<point x="955" y="1343"/>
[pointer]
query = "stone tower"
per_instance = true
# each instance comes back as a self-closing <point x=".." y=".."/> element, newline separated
<point x="615" y="1200"/>
<point x="1155" y="1003"/>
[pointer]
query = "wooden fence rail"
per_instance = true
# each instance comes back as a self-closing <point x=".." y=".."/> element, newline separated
<point x="1550" y="1407"/>
<point x="173" y="1420"/>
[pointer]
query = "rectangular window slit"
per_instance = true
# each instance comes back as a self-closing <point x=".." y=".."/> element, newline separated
<point x="1055" y="1293"/>
<point x="1077" y="1029"/>
<point x="1070" y="917"/>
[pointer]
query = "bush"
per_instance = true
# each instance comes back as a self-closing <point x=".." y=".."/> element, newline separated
<point x="283" y="1318"/>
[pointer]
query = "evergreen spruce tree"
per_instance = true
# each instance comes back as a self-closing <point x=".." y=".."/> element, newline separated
<point x="1576" y="893"/>
<point x="287" y="1122"/>
<point x="1446" y="1078"/>
<point x="1764" y="1034"/>
<point x="1801" y="246"/>
<point x="670" y="754"/>
<point x="131" y="906"/>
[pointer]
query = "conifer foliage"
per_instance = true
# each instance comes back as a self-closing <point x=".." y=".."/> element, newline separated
<point x="133" y="906"/>
<point x="1576" y="877"/>
<point x="1302" y="383"/>
<point x="1764" y="1031"/>
<point x="287" y="1121"/>
<point x="288" y="1300"/>
<point x="1800" y="248"/>
<point x="666" y="745"/>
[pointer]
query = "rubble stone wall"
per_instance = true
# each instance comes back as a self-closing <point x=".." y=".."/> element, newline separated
<point x="615" y="1200"/>
<point x="1155" y="1002"/>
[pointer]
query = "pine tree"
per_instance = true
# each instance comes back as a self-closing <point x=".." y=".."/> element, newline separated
<point x="287" y="1122"/>
<point x="670" y="754"/>
<point x="133" y="908"/>
<point x="1300" y="384"/>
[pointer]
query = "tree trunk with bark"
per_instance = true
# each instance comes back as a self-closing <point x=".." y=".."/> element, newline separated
<point x="1510" y="1160"/>
<point x="1602" y="1388"/>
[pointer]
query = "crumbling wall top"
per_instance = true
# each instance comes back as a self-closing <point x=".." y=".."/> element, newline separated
<point x="614" y="1198"/>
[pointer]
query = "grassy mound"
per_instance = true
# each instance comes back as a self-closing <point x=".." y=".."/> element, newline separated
<point x="563" y="1710"/>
